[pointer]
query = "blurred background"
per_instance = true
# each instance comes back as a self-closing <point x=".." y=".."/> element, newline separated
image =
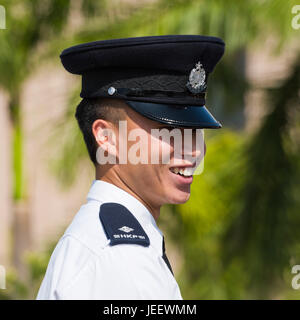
<point x="238" y="236"/>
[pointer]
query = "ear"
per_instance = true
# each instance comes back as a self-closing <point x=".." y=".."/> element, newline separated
<point x="104" y="134"/>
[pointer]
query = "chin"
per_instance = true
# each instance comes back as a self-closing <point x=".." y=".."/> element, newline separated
<point x="179" y="197"/>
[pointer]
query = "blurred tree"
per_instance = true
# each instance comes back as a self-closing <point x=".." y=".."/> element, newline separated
<point x="262" y="234"/>
<point x="198" y="225"/>
<point x="226" y="199"/>
<point x="36" y="266"/>
<point x="223" y="197"/>
<point x="30" y="25"/>
<point x="241" y="25"/>
<point x="238" y="232"/>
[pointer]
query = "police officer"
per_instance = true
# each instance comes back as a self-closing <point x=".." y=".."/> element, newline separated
<point x="113" y="249"/>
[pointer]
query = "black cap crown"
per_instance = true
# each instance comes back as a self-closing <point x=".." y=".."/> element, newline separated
<point x="162" y="77"/>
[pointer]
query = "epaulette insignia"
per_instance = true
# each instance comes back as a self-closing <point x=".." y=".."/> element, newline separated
<point x="121" y="226"/>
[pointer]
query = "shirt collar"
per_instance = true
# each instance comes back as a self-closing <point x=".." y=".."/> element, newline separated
<point x="106" y="192"/>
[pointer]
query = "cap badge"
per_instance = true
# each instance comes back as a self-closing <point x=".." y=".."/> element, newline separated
<point x="196" y="83"/>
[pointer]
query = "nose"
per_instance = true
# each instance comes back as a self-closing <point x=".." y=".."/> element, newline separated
<point x="193" y="144"/>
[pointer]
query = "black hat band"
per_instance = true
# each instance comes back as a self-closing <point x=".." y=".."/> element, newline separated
<point x="169" y="88"/>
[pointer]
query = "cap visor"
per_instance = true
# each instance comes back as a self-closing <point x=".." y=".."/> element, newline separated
<point x="176" y="115"/>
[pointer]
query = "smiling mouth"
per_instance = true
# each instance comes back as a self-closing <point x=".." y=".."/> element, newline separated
<point x="184" y="172"/>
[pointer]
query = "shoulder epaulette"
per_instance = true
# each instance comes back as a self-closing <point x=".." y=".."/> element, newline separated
<point x="121" y="226"/>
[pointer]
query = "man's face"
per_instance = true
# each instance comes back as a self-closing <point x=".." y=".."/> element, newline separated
<point x="157" y="183"/>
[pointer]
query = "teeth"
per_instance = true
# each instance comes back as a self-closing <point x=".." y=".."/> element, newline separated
<point x="184" y="172"/>
<point x="188" y="171"/>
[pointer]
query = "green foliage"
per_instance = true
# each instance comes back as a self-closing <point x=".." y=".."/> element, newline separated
<point x="17" y="162"/>
<point x="238" y="234"/>
<point x="36" y="266"/>
<point x="200" y="222"/>
<point x="29" y="23"/>
<point x="67" y="155"/>
<point x="262" y="234"/>
<point x="237" y="22"/>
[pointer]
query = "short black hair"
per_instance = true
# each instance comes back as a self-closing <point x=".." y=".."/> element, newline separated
<point x="91" y="109"/>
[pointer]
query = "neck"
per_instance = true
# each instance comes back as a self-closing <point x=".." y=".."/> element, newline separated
<point x="111" y="177"/>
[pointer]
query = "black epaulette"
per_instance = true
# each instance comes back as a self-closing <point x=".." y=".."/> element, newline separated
<point x="121" y="226"/>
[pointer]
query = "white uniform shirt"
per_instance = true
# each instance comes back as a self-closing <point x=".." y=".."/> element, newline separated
<point x="85" y="266"/>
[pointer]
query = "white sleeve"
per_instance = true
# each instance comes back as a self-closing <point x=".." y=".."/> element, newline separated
<point x="69" y="258"/>
<point x="123" y="271"/>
